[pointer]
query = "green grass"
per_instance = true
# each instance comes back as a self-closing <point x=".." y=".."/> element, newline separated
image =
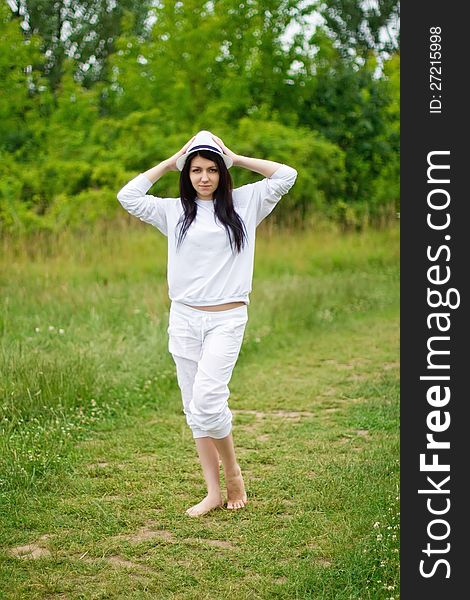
<point x="97" y="465"/>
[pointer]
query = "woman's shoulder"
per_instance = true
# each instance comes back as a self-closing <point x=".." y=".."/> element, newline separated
<point x="241" y="195"/>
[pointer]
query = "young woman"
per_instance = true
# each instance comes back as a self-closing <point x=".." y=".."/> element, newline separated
<point x="211" y="241"/>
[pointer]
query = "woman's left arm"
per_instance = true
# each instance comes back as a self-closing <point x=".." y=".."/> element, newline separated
<point x="258" y="165"/>
<point x="265" y="194"/>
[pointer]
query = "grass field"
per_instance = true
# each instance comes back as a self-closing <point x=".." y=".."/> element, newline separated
<point x="97" y="464"/>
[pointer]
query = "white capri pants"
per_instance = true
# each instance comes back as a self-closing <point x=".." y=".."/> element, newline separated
<point x="205" y="346"/>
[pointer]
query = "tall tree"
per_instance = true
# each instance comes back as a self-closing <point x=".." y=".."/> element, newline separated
<point x="207" y="60"/>
<point x="84" y="31"/>
<point x="347" y="104"/>
<point x="21" y="85"/>
<point x="363" y="25"/>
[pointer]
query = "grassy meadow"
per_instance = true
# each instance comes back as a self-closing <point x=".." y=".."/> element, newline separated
<point x="97" y="464"/>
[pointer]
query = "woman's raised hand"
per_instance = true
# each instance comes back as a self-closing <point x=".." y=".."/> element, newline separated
<point x="171" y="162"/>
<point x="226" y="150"/>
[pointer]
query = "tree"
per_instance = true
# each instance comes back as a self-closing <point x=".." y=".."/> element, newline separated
<point x="83" y="31"/>
<point x="347" y="104"/>
<point x="206" y="61"/>
<point x="21" y="87"/>
<point x="362" y="26"/>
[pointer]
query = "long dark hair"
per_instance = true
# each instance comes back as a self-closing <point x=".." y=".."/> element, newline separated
<point x="223" y="205"/>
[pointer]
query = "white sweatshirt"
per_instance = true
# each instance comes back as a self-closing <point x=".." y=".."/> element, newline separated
<point x="204" y="270"/>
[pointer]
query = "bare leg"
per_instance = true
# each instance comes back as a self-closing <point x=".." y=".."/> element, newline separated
<point x="209" y="459"/>
<point x="236" y="495"/>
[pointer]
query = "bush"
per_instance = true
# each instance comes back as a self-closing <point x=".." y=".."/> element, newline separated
<point x="54" y="192"/>
<point x="320" y="164"/>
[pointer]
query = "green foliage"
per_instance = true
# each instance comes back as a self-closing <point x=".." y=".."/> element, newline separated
<point x="85" y="30"/>
<point x="19" y="76"/>
<point x="223" y="66"/>
<point x="81" y="210"/>
<point x="387" y="184"/>
<point x="362" y="26"/>
<point x="320" y="164"/>
<point x="350" y="106"/>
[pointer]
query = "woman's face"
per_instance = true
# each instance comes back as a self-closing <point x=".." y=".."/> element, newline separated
<point x="204" y="175"/>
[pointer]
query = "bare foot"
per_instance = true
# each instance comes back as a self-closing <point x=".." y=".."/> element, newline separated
<point x="206" y="505"/>
<point x="236" y="495"/>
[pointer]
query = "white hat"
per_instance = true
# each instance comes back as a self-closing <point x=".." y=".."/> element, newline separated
<point x="203" y="141"/>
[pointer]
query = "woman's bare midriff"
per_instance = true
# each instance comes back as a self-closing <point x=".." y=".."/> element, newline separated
<point x="216" y="307"/>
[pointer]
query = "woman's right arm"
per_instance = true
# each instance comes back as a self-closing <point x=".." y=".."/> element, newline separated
<point x="134" y="198"/>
